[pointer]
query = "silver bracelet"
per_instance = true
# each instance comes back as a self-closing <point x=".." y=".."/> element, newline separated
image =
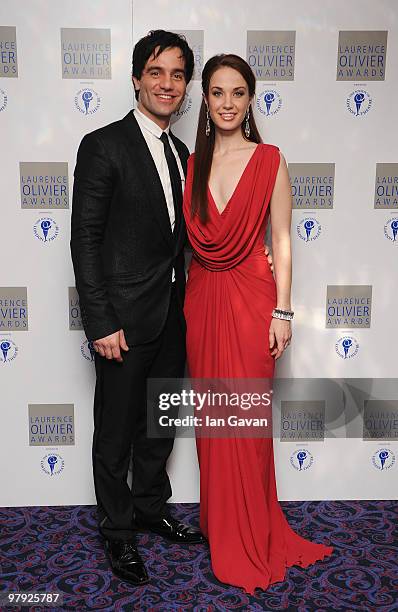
<point x="287" y="315"/>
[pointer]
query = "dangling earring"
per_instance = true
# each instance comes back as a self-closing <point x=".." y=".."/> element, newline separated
<point x="207" y="122"/>
<point x="247" y="125"/>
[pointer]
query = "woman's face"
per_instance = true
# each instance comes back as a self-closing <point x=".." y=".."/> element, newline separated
<point x="228" y="98"/>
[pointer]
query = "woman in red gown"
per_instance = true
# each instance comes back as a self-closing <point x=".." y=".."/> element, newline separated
<point x="235" y="186"/>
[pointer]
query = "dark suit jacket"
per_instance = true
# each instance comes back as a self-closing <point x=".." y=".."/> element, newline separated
<point x="123" y="249"/>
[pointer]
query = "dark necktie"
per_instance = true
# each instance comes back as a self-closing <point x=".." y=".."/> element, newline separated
<point x="175" y="177"/>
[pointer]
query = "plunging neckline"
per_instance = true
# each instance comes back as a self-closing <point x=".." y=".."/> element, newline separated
<point x="237" y="184"/>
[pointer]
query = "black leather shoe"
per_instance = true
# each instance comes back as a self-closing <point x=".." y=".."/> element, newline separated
<point x="172" y="530"/>
<point x="126" y="562"/>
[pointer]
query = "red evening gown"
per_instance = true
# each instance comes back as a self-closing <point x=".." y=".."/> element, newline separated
<point x="229" y="299"/>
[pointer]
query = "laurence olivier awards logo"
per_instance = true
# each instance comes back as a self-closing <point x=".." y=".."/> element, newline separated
<point x="46" y="229"/>
<point x="13" y="309"/>
<point x="75" y="318"/>
<point x="269" y="102"/>
<point x="347" y="347"/>
<point x="184" y="108"/>
<point x="302" y="420"/>
<point x="86" y="53"/>
<point x="380" y="420"/>
<point x="348" y="306"/>
<point x="386" y="186"/>
<point x="359" y="102"/>
<point x="271" y="54"/>
<point x="195" y="39"/>
<point x="383" y="459"/>
<point x="301" y="459"/>
<point x="8" y="52"/>
<point x="52" y="464"/>
<point x="87" y="101"/>
<point x="8" y="350"/>
<point x="3" y="100"/>
<point x="309" y="229"/>
<point x="391" y="229"/>
<point x="361" y="56"/>
<point x="44" y="185"/>
<point x="51" y="424"/>
<point x="312" y="185"/>
<point x="87" y="350"/>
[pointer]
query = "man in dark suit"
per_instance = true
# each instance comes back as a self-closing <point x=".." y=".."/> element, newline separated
<point x="127" y="246"/>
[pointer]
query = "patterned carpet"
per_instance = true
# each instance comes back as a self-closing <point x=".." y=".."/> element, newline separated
<point x="58" y="549"/>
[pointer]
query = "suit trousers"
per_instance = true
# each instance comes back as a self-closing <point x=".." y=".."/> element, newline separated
<point x="120" y="421"/>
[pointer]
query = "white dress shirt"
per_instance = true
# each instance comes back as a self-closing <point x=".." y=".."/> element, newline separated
<point x="152" y="133"/>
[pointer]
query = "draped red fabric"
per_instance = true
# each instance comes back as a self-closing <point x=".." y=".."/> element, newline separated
<point x="219" y="245"/>
<point x="229" y="300"/>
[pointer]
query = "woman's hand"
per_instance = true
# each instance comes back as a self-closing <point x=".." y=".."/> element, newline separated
<point x="269" y="257"/>
<point x="280" y="335"/>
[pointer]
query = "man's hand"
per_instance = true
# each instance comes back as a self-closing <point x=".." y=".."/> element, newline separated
<point x="110" y="346"/>
<point x="269" y="257"/>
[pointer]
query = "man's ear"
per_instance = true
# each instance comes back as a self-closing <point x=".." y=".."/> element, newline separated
<point x="136" y="83"/>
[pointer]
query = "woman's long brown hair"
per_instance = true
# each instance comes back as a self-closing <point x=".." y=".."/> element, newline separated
<point x="204" y="145"/>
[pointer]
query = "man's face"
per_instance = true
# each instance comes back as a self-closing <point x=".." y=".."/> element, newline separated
<point x="162" y="85"/>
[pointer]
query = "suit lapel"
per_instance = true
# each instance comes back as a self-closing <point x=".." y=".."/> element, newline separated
<point x="146" y="169"/>
<point x="182" y="154"/>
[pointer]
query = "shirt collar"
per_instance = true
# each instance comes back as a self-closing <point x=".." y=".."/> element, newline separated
<point x="149" y="125"/>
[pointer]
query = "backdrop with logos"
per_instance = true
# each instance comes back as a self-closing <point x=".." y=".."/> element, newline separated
<point x="326" y="86"/>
